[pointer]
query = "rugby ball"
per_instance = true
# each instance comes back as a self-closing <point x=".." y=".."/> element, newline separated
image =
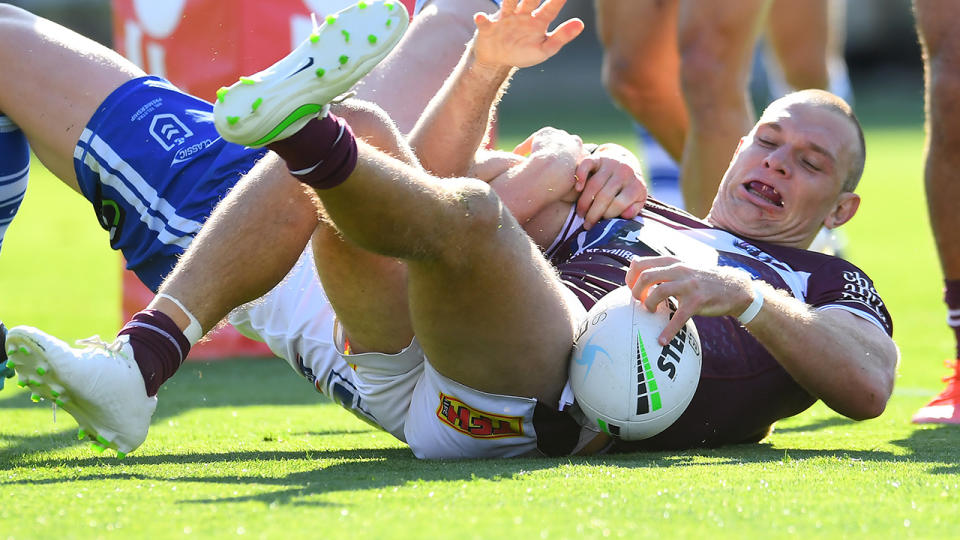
<point x="623" y="380"/>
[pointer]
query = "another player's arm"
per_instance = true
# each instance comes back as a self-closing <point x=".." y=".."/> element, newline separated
<point x="538" y="187"/>
<point x="453" y="126"/>
<point x="838" y="357"/>
<point x="552" y="170"/>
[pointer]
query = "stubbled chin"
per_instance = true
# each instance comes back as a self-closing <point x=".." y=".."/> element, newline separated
<point x="762" y="230"/>
<point x="748" y="220"/>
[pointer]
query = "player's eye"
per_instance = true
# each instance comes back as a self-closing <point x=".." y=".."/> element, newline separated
<point x="763" y="141"/>
<point x="810" y="165"/>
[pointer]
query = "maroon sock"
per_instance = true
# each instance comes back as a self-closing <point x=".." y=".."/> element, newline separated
<point x="322" y="154"/>
<point x="159" y="347"/>
<point x="951" y="295"/>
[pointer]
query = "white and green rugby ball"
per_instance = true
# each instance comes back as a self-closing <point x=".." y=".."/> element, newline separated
<point x="623" y="380"/>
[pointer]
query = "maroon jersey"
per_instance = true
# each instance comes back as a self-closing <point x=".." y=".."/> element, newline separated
<point x="743" y="390"/>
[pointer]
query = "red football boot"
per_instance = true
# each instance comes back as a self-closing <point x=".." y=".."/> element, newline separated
<point x="945" y="407"/>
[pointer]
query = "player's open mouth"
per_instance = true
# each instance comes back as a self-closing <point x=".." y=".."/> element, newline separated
<point x="764" y="192"/>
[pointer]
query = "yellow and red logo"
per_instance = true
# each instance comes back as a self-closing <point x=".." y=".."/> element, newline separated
<point x="476" y="423"/>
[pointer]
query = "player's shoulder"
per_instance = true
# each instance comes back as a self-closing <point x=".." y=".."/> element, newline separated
<point x="809" y="261"/>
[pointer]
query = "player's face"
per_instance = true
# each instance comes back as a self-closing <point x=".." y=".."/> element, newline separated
<point x="786" y="178"/>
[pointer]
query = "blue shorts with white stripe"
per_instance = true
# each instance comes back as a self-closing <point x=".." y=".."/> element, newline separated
<point x="14" y="170"/>
<point x="153" y="166"/>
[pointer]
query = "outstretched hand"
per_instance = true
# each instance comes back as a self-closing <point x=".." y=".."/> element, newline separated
<point x="517" y="36"/>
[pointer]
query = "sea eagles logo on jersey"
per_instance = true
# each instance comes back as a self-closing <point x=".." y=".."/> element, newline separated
<point x="476" y="423"/>
<point x="169" y="131"/>
<point x="859" y="289"/>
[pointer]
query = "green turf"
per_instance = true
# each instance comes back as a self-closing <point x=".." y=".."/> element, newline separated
<point x="246" y="447"/>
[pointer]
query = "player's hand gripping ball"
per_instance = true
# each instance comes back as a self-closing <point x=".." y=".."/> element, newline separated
<point x="623" y="380"/>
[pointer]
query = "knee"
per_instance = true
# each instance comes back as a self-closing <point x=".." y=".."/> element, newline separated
<point x="10" y="15"/>
<point x="944" y="74"/>
<point x="8" y="12"/>
<point x="366" y="119"/>
<point x="943" y="110"/>
<point x="638" y="86"/>
<point x="620" y="77"/>
<point x="476" y="215"/>
<point x="14" y="22"/>
<point x="372" y="124"/>
<point x="480" y="207"/>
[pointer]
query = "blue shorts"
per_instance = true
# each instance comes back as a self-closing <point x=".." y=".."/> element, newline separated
<point x="153" y="166"/>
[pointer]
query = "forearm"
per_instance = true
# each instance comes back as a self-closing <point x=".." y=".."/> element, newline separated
<point x="453" y="126"/>
<point x="528" y="187"/>
<point x="838" y="357"/>
<point x="490" y="164"/>
<point x="835" y="355"/>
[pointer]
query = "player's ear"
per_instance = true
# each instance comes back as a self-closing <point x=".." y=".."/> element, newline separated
<point x="843" y="210"/>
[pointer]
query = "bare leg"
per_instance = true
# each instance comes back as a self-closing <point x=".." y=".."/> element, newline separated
<point x="256" y="234"/>
<point x="837" y="72"/>
<point x="53" y="91"/>
<point x="368" y="292"/>
<point x="409" y="77"/>
<point x="268" y="209"/>
<point x="936" y="23"/>
<point x="641" y="65"/>
<point x="52" y="109"/>
<point x="248" y="244"/>
<point x="487" y="308"/>
<point x="799" y="34"/>
<point x="716" y="46"/>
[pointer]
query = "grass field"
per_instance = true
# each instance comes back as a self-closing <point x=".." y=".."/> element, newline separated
<point x="246" y="448"/>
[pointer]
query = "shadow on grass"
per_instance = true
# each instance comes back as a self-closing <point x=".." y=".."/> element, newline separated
<point x="833" y="421"/>
<point x="258" y="382"/>
<point x="230" y="383"/>
<point x="374" y="469"/>
<point x="937" y="448"/>
<point x="936" y="444"/>
<point x="338" y="470"/>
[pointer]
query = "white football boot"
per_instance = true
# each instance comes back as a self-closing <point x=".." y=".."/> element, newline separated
<point x="100" y="385"/>
<point x="276" y="102"/>
<point x="6" y="371"/>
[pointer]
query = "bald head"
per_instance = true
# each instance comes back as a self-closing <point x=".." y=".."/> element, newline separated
<point x="836" y="105"/>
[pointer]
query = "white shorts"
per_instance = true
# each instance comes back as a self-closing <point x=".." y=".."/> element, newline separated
<point x="400" y="393"/>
